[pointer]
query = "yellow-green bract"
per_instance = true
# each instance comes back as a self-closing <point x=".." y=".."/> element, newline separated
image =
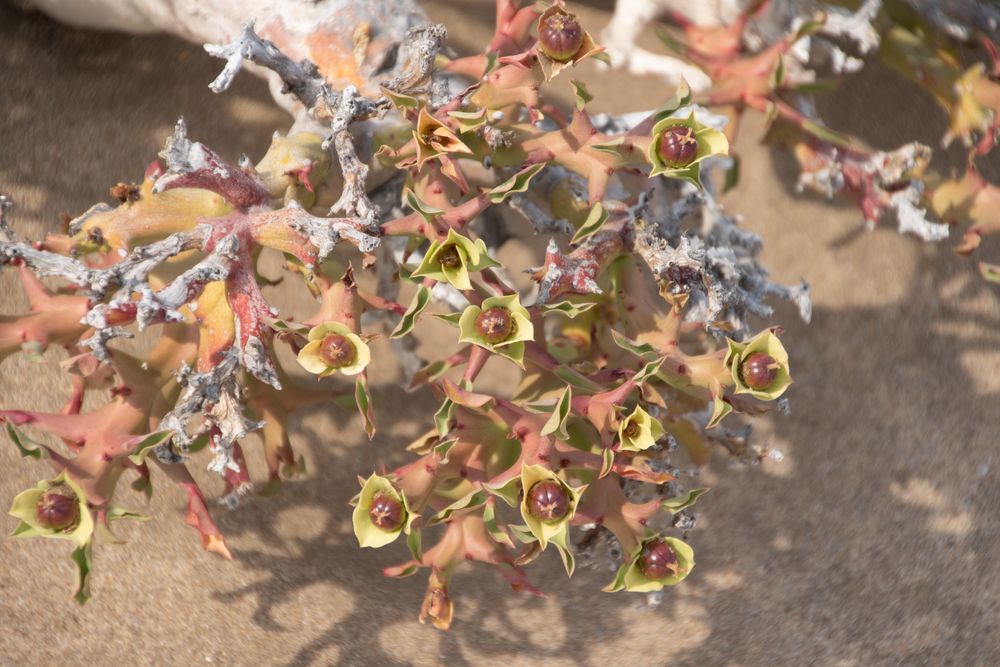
<point x="471" y="255"/>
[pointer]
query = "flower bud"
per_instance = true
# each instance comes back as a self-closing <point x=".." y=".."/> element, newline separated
<point x="759" y="370"/>
<point x="495" y="324"/>
<point x="657" y="560"/>
<point x="58" y="509"/>
<point x="337" y="351"/>
<point x="386" y="512"/>
<point x="678" y="146"/>
<point x="560" y="35"/>
<point x="548" y="501"/>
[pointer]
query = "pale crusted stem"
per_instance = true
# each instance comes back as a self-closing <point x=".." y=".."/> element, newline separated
<point x="301" y="79"/>
<point x="340" y="109"/>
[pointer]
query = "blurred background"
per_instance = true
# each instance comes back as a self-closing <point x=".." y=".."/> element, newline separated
<point x="874" y="541"/>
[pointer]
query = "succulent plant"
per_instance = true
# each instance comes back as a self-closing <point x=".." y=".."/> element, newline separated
<point x="643" y="327"/>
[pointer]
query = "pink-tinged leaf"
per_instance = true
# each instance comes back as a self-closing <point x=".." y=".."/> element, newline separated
<point x="197" y="515"/>
<point x="466" y="398"/>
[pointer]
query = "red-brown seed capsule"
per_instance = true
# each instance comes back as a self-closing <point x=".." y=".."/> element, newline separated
<point x="657" y="560"/>
<point x="632" y="430"/>
<point x="386" y="512"/>
<point x="58" y="510"/>
<point x="495" y="324"/>
<point x="560" y="36"/>
<point x="548" y="501"/>
<point x="759" y="370"/>
<point x="678" y="146"/>
<point x="337" y="351"/>
<point x="449" y="257"/>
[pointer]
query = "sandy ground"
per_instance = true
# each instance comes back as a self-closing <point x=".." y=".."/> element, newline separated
<point x="874" y="542"/>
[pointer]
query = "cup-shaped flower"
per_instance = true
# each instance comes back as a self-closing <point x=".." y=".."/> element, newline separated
<point x="501" y="325"/>
<point x="333" y="348"/>
<point x="639" y="431"/>
<point x="453" y="259"/>
<point x="654" y="563"/>
<point x="670" y="152"/>
<point x="437" y="605"/>
<point x="434" y="138"/>
<point x="381" y="514"/>
<point x="54" y="508"/>
<point x="759" y="366"/>
<point x="547" y="503"/>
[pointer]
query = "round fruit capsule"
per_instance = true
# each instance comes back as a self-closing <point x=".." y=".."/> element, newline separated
<point x="548" y="501"/>
<point x="560" y="35"/>
<point x="386" y="512"/>
<point x="678" y="146"/>
<point x="657" y="560"/>
<point x="759" y="370"/>
<point x="57" y="510"/>
<point x="337" y="351"/>
<point x="495" y="324"/>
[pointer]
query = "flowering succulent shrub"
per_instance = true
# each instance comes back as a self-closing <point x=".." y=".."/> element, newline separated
<point x="623" y="347"/>
<point x="634" y="350"/>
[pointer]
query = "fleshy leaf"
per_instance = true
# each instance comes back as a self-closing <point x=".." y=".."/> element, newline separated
<point x="516" y="183"/>
<point x="423" y="209"/>
<point x="24" y="444"/>
<point x="595" y="220"/>
<point x="581" y="94"/>
<point x="498" y="534"/>
<point x="420" y="301"/>
<point x="363" y="399"/>
<point x="556" y="423"/>
<point x="81" y="556"/>
<point x="443" y="417"/>
<point x="561" y="540"/>
<point x="567" y="308"/>
<point x="682" y="502"/>
<point x="147" y="444"/>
